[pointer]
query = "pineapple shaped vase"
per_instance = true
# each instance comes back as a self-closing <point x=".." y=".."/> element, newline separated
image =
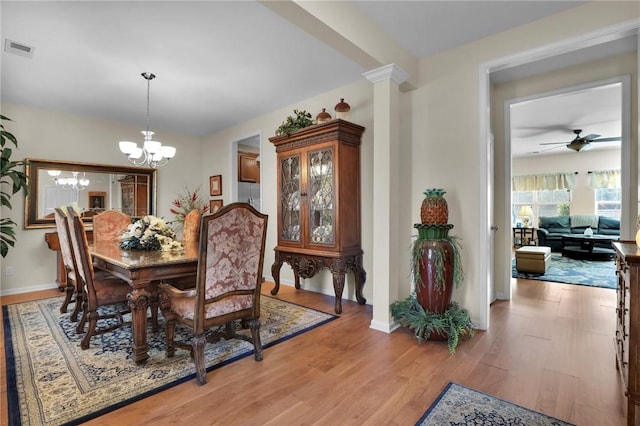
<point x="434" y="209"/>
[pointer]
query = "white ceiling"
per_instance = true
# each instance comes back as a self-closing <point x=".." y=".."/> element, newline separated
<point x="217" y="63"/>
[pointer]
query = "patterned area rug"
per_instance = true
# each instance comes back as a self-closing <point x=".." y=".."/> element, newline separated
<point x="459" y="405"/>
<point x="51" y="381"/>
<point x="572" y="271"/>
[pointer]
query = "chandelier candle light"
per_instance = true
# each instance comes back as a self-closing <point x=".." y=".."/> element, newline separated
<point x="152" y="153"/>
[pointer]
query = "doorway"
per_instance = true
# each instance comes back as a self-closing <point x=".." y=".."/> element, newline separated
<point x="529" y="61"/>
<point x="247" y="187"/>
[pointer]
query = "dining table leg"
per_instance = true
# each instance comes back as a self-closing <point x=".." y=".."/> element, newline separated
<point x="139" y="300"/>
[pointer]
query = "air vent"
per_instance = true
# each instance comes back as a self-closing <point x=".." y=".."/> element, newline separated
<point x="16" y="48"/>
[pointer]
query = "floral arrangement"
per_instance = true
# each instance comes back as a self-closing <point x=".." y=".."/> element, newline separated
<point x="149" y="233"/>
<point x="186" y="202"/>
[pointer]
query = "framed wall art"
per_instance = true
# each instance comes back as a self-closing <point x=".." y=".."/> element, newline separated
<point x="215" y="185"/>
<point x="215" y="205"/>
<point x="97" y="200"/>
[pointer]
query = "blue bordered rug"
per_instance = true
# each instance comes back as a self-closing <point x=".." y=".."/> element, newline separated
<point x="594" y="273"/>
<point x="459" y="405"/>
<point x="51" y="381"/>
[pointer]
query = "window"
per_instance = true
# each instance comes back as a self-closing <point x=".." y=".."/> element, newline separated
<point x="608" y="201"/>
<point x="543" y="203"/>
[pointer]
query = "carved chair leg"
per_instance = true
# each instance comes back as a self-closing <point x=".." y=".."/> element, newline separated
<point x="83" y="318"/>
<point x="170" y="330"/>
<point x="77" y="308"/>
<point x="254" y="324"/>
<point x="198" y="358"/>
<point x="93" y="322"/>
<point x="68" y="297"/>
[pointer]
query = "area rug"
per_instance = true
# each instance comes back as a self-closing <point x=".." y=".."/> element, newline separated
<point x="51" y="381"/>
<point x="459" y="405"/>
<point x="574" y="271"/>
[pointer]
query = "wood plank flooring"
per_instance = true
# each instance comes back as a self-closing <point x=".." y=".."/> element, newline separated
<point x="549" y="349"/>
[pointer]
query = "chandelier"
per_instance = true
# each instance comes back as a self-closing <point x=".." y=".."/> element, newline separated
<point x="75" y="182"/>
<point x="152" y="153"/>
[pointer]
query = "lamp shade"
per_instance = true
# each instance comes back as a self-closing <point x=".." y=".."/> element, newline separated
<point x="525" y="211"/>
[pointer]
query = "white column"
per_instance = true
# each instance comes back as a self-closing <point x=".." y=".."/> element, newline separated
<point x="386" y="165"/>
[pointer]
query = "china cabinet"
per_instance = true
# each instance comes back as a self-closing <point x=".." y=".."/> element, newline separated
<point x="627" y="340"/>
<point x="134" y="192"/>
<point x="319" y="204"/>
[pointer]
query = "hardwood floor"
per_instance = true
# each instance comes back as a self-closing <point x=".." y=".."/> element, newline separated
<point x="549" y="349"/>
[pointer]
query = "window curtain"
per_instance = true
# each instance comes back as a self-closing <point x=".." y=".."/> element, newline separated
<point x="546" y="182"/>
<point x="604" y="179"/>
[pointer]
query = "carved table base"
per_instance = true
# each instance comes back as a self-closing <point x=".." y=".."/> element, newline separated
<point x="306" y="266"/>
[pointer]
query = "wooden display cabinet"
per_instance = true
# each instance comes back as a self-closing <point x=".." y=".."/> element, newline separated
<point x="135" y="193"/>
<point x="627" y="340"/>
<point x="248" y="167"/>
<point x="319" y="205"/>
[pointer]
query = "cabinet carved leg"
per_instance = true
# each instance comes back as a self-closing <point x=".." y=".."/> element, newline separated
<point x="138" y="303"/>
<point x="275" y="273"/>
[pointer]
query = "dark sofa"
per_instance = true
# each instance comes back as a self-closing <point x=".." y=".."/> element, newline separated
<point x="551" y="228"/>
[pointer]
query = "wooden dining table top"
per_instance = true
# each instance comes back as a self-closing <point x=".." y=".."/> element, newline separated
<point x="111" y="252"/>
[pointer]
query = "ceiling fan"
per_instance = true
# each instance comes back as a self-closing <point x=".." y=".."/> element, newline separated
<point x="583" y="143"/>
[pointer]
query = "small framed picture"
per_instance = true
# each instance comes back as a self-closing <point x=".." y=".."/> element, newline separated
<point x="97" y="200"/>
<point x="215" y="185"/>
<point x="215" y="205"/>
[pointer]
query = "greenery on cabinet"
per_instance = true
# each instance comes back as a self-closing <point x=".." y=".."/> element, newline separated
<point x="454" y="323"/>
<point x="12" y="181"/>
<point x="292" y="124"/>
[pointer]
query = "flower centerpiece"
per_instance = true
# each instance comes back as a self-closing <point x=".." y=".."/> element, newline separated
<point x="187" y="201"/>
<point x="149" y="233"/>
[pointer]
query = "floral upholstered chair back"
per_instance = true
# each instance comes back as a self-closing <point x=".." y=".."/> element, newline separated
<point x="191" y="227"/>
<point x="109" y="225"/>
<point x="234" y="250"/>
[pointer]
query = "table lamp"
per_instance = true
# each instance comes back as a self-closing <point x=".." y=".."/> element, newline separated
<point x="525" y="214"/>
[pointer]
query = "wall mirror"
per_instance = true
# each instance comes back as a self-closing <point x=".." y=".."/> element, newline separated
<point x="91" y="188"/>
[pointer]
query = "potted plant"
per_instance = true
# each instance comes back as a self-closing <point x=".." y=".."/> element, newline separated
<point x="12" y="178"/>
<point x="292" y="124"/>
<point x="436" y="268"/>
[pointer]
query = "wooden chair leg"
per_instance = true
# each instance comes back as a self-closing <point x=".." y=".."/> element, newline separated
<point x="170" y="329"/>
<point x="68" y="297"/>
<point x="198" y="358"/>
<point x="93" y="322"/>
<point x="83" y="318"/>
<point x="255" y="335"/>
<point x="77" y="308"/>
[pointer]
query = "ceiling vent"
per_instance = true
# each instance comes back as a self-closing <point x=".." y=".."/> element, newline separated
<point x="16" y="48"/>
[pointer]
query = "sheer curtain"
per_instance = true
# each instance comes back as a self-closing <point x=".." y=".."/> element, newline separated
<point x="548" y="182"/>
<point x="604" y="179"/>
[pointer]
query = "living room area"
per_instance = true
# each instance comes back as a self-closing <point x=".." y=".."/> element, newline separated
<point x="566" y="200"/>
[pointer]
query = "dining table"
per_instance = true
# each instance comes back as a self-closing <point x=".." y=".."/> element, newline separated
<point x="144" y="270"/>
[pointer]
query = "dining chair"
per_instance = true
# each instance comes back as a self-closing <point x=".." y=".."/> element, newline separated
<point x="109" y="225"/>
<point x="191" y="227"/>
<point x="97" y="290"/>
<point x="69" y="264"/>
<point x="228" y="284"/>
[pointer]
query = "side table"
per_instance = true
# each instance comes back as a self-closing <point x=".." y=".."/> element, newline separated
<point x="524" y="237"/>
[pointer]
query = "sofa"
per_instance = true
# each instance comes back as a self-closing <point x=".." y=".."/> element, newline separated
<point x="552" y="228"/>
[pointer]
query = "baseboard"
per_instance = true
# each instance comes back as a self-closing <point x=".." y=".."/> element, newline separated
<point x="385" y="327"/>
<point x="30" y="289"/>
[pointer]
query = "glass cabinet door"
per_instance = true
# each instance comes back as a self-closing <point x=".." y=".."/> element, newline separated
<point x="321" y="196"/>
<point x="290" y="198"/>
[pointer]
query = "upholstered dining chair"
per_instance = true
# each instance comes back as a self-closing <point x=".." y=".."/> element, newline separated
<point x="228" y="284"/>
<point x="69" y="262"/>
<point x="191" y="227"/>
<point x="97" y="290"/>
<point x="109" y="225"/>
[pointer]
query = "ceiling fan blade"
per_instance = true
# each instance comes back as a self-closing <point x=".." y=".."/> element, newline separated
<point x="540" y="151"/>
<point x="591" y="137"/>
<point x="607" y="139"/>
<point x="554" y="143"/>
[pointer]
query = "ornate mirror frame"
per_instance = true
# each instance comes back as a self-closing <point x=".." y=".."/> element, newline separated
<point x="110" y="193"/>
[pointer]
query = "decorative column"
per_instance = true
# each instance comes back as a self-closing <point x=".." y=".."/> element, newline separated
<point x="386" y="167"/>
